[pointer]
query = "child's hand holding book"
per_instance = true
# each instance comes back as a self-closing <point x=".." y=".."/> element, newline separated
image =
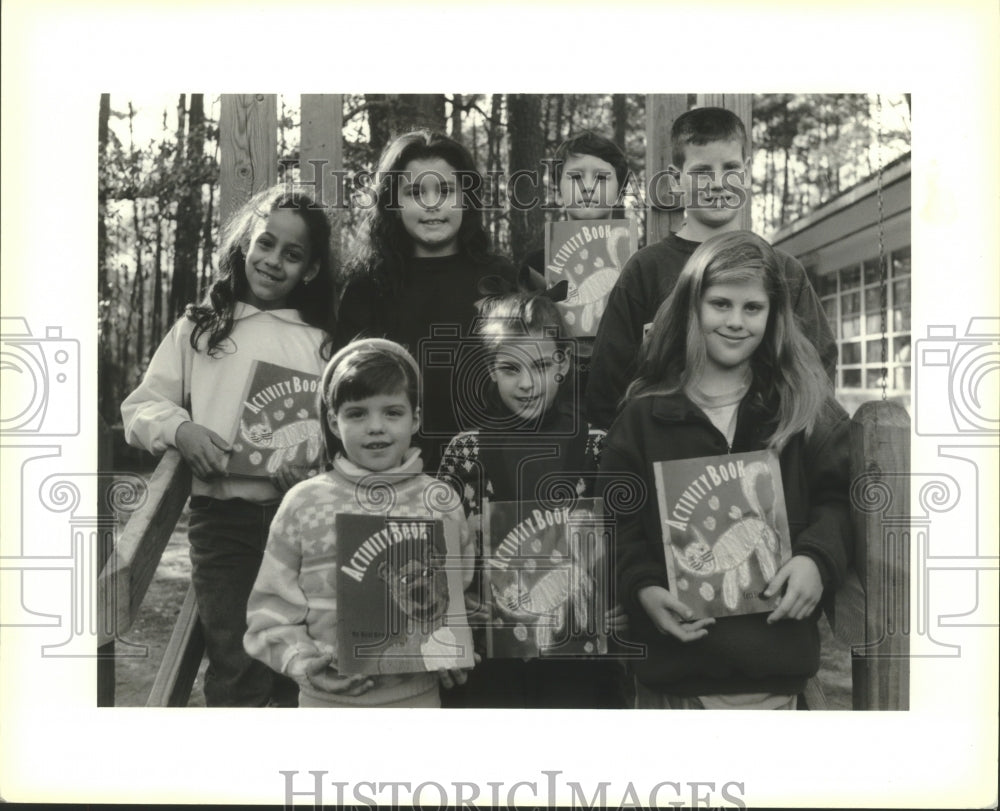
<point x="456" y="676"/>
<point x="615" y="619"/>
<point x="316" y="671"/>
<point x="803" y="588"/>
<point x="204" y="450"/>
<point x="671" y="616"/>
<point x="289" y="475"/>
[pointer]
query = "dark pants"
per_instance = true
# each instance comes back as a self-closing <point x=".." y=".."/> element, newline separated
<point x="542" y="684"/>
<point x="227" y="546"/>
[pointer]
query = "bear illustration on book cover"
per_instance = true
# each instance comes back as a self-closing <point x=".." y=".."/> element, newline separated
<point x="725" y="530"/>
<point x="589" y="255"/>
<point x="545" y="575"/>
<point x="400" y="606"/>
<point x="279" y="423"/>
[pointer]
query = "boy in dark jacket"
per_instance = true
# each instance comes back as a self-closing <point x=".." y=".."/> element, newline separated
<point x="710" y="163"/>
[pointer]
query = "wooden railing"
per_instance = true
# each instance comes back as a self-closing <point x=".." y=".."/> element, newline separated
<point x="870" y="612"/>
<point x="125" y="579"/>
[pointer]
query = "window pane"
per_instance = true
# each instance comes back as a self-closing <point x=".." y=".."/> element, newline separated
<point x="901" y="262"/>
<point x="850" y="327"/>
<point x="852" y="378"/>
<point x="873" y="378"/>
<point x="827" y="285"/>
<point x="871" y="271"/>
<point x="901" y="349"/>
<point x="873" y="299"/>
<point x="850" y="353"/>
<point x="850" y="277"/>
<point x="901" y="377"/>
<point x="873" y="324"/>
<point x="901" y="292"/>
<point x="873" y="351"/>
<point x="851" y="303"/>
<point x="901" y="319"/>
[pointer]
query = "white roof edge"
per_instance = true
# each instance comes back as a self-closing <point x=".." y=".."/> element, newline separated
<point x="864" y="189"/>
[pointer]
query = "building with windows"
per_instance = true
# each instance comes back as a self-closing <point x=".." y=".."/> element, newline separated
<point x="838" y="244"/>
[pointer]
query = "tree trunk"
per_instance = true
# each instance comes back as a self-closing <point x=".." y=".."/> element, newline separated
<point x="103" y="116"/>
<point x="526" y="151"/>
<point x="106" y="406"/>
<point x="619" y="118"/>
<point x="378" y="122"/>
<point x="420" y="111"/>
<point x="771" y="185"/>
<point x="475" y="143"/>
<point x="456" y="117"/>
<point x="184" y="288"/>
<point x="493" y="138"/>
<point x="135" y="298"/>
<point x="546" y="122"/>
<point x="177" y="299"/>
<point x="121" y="335"/>
<point x="140" y="305"/>
<point x="784" y="188"/>
<point x="157" y="314"/>
<point x="207" y="248"/>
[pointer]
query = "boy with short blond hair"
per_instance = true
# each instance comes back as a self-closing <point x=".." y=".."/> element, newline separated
<point x="710" y="169"/>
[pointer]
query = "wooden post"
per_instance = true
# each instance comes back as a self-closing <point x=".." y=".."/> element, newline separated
<point x="322" y="140"/>
<point x="248" y="147"/>
<point x="661" y="111"/>
<point x="742" y="105"/>
<point x="880" y="496"/>
<point x="181" y="658"/>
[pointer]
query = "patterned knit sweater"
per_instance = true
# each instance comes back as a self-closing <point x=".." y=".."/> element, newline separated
<point x="293" y="606"/>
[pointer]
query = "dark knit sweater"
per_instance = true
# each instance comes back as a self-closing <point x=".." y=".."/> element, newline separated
<point x="431" y="315"/>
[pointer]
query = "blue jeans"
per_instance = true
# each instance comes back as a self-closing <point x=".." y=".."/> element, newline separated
<point x="227" y="546"/>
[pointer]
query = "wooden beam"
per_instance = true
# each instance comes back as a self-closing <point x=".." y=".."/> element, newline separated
<point x="126" y="576"/>
<point x="181" y="658"/>
<point x="248" y="148"/>
<point x="661" y="111"/>
<point x="880" y="455"/>
<point x="742" y="105"/>
<point x="846" y="613"/>
<point x="323" y="140"/>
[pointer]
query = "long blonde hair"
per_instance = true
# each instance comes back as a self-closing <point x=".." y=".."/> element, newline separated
<point x="787" y="370"/>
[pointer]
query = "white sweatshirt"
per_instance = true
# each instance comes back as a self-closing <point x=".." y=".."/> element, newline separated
<point x="181" y="385"/>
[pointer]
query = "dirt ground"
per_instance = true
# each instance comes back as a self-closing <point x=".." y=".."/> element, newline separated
<point x="135" y="670"/>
